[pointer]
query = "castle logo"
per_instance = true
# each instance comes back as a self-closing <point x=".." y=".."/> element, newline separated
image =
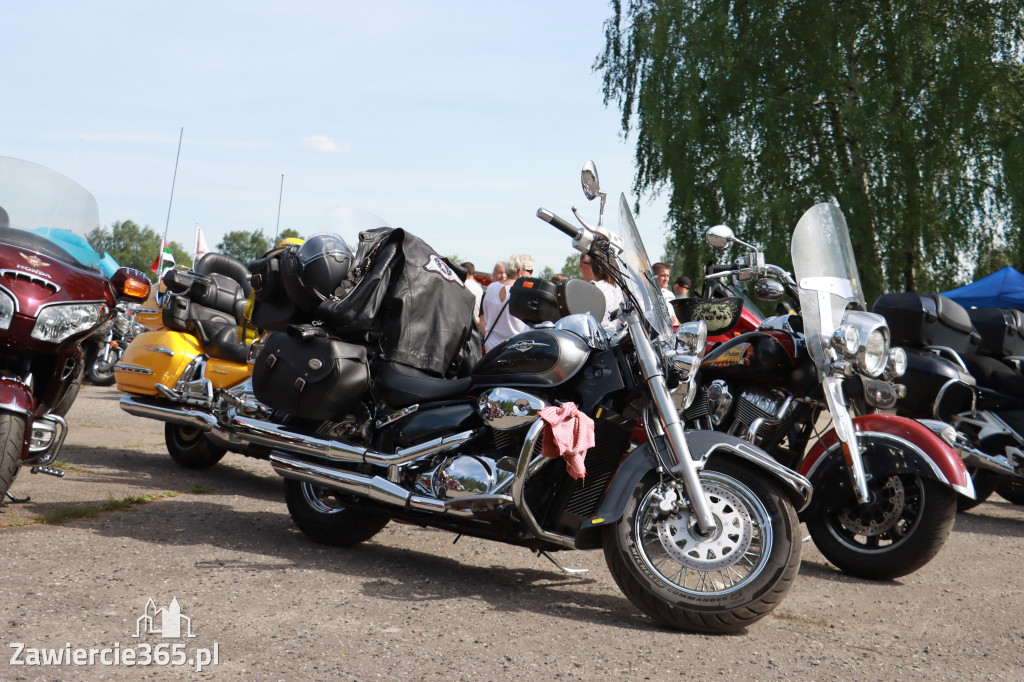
<point x="167" y="622"/>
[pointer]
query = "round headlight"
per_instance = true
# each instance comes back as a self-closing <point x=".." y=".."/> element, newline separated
<point x="692" y="337"/>
<point x="875" y="352"/>
<point x="846" y="340"/>
<point x="897" y="365"/>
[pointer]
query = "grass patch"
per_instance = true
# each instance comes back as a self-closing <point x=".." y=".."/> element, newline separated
<point x="201" y="490"/>
<point x="66" y="514"/>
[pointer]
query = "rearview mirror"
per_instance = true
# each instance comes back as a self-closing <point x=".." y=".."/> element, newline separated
<point x="720" y="237"/>
<point x="591" y="185"/>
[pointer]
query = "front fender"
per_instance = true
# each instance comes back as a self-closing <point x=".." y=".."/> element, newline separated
<point x="16" y="396"/>
<point x="920" y="450"/>
<point x="702" y="444"/>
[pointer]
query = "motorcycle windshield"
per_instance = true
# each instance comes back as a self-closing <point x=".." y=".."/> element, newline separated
<point x="826" y="272"/>
<point x="636" y="269"/>
<point x="46" y="212"/>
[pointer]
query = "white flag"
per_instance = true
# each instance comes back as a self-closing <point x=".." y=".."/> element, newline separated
<point x="201" y="249"/>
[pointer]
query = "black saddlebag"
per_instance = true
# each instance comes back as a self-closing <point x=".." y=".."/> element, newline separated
<point x="304" y="372"/>
<point x="918" y="320"/>
<point x="1001" y="329"/>
<point x="534" y="300"/>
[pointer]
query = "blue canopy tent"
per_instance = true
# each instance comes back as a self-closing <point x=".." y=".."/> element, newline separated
<point x="1002" y="289"/>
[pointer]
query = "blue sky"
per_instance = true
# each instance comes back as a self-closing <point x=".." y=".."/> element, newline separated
<point x="455" y="120"/>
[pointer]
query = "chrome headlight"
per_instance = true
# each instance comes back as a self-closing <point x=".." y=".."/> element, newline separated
<point x="692" y="337"/>
<point x="58" y="322"/>
<point x="6" y="310"/>
<point x="897" y="364"/>
<point x="873" y="352"/>
<point x="846" y="340"/>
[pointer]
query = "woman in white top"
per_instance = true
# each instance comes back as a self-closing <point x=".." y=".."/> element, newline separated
<point x="501" y="324"/>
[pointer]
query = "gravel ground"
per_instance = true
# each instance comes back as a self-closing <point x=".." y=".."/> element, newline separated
<point x="412" y="604"/>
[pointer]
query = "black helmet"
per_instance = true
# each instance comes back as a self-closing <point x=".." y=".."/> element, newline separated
<point x="312" y="272"/>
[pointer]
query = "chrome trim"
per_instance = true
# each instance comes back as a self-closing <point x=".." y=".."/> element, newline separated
<point x="374" y="488"/>
<point x="132" y="369"/>
<point x="942" y="394"/>
<point x="30" y="277"/>
<point x="59" y="427"/>
<point x="946" y="351"/>
<point x="508" y="408"/>
<point x="13" y="297"/>
<point x="527" y="467"/>
<point x="798" y="483"/>
<point x="395" y="416"/>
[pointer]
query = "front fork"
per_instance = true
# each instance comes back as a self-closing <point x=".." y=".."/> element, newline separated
<point x="843" y="422"/>
<point x="668" y="415"/>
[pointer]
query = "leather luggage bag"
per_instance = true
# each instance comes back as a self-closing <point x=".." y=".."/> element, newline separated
<point x="304" y="372"/>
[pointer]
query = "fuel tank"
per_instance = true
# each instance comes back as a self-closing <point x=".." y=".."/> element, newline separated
<point x="764" y="354"/>
<point x="539" y="357"/>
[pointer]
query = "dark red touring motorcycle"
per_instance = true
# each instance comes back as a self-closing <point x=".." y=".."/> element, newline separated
<point x="50" y="300"/>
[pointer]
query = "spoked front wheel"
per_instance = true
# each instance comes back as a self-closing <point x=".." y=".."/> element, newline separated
<point x="719" y="582"/>
<point x="900" y="530"/>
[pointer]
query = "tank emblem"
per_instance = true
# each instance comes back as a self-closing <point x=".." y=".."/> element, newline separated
<point x="737" y="355"/>
<point x="523" y="346"/>
<point x="34" y="261"/>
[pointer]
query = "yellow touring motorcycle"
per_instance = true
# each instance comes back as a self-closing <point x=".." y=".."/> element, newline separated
<point x="191" y="369"/>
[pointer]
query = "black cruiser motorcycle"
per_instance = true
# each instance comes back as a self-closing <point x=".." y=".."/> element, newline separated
<point x="699" y="529"/>
<point x="885" y="487"/>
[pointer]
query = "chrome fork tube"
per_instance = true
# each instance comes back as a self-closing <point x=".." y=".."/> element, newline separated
<point x="683" y="463"/>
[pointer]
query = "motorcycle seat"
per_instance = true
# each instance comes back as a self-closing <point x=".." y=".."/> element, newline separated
<point x="402" y="385"/>
<point x="225" y="344"/>
<point x="221" y="264"/>
<point x="996" y="375"/>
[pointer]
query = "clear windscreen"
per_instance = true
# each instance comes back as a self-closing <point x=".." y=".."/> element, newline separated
<point x="826" y="272"/>
<point x="47" y="212"/>
<point x="639" y="276"/>
<point x="348" y="222"/>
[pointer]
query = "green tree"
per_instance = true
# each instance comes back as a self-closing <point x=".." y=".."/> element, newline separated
<point x="572" y="266"/>
<point x="906" y="114"/>
<point x="288" y="233"/>
<point x="133" y="246"/>
<point x="547" y="273"/>
<point x="245" y="246"/>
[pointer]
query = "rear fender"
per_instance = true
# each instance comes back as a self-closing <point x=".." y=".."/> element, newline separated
<point x="921" y="452"/>
<point x="703" y="445"/>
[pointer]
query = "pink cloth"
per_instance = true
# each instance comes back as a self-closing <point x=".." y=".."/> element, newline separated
<point x="568" y="433"/>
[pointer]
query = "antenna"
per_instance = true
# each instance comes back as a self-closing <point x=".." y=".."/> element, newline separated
<point x="279" y="196"/>
<point x="167" y="225"/>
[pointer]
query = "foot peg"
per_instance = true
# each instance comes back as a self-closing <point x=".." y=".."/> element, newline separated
<point x="49" y="471"/>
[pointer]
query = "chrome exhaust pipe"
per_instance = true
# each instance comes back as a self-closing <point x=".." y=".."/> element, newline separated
<point x="370" y="487"/>
<point x="174" y="414"/>
<point x="281" y="438"/>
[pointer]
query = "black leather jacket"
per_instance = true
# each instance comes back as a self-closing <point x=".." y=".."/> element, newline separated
<point x="407" y="303"/>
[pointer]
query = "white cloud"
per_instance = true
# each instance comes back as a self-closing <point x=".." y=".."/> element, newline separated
<point x="322" y="143"/>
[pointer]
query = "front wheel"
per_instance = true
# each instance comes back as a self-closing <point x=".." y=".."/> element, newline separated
<point x="101" y="370"/>
<point x="721" y="582"/>
<point x="1011" y="491"/>
<point x="12" y="437"/>
<point x="900" y="530"/>
<point x="322" y="517"/>
<point x="189" y="447"/>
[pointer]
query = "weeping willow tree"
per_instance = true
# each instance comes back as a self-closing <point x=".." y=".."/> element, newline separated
<point x="906" y="114"/>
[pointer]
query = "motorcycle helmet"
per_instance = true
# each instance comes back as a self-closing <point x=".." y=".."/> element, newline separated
<point x="312" y="272"/>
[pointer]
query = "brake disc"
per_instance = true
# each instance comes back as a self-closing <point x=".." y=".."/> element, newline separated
<point x="880" y="514"/>
<point x="720" y="548"/>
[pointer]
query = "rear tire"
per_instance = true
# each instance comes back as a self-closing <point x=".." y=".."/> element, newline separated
<point x="720" y="583"/>
<point x="189" y="447"/>
<point x="12" y="437"/>
<point x="901" y="530"/>
<point x="323" y="519"/>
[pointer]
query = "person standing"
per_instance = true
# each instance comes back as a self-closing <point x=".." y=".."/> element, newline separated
<point x="500" y="324"/>
<point x="602" y="279"/>
<point x="473" y="287"/>
<point x="663" y="274"/>
<point x="682" y="287"/>
<point x="585" y="269"/>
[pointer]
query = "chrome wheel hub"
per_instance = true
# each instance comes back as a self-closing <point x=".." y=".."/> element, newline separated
<point x="722" y="546"/>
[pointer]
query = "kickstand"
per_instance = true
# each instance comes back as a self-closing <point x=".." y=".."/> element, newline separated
<point x="17" y="500"/>
<point x="565" y="569"/>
